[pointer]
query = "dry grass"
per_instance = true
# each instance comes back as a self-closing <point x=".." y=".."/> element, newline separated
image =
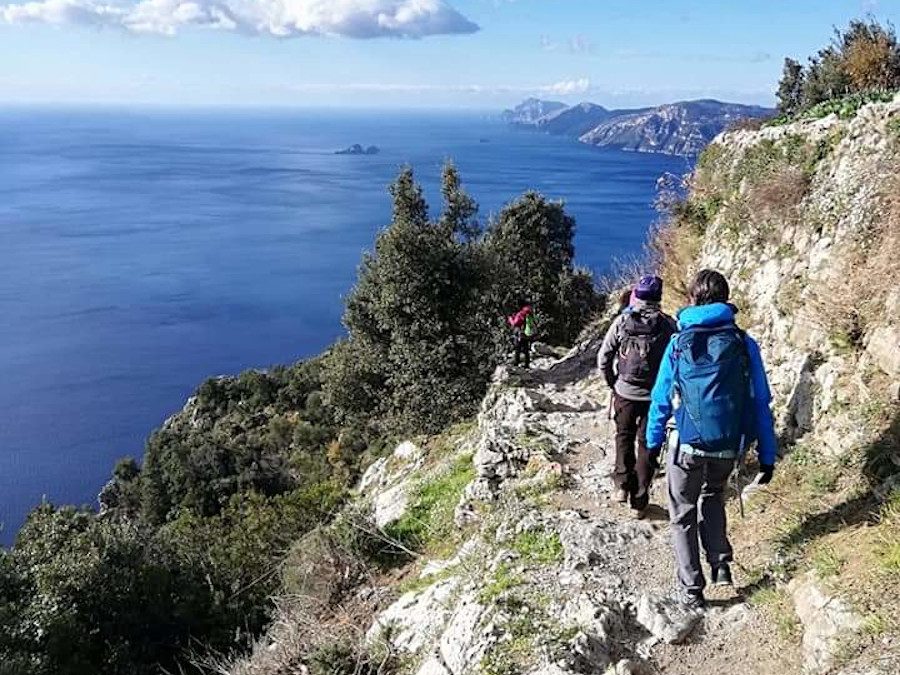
<point x="748" y="124"/>
<point x="675" y="248"/>
<point x="854" y="297"/>
<point x="777" y="197"/>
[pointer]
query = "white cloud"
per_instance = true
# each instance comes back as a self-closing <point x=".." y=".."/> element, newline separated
<point x="278" y="18"/>
<point x="568" y="87"/>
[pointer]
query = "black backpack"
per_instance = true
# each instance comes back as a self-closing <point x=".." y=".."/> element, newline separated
<point x="644" y="340"/>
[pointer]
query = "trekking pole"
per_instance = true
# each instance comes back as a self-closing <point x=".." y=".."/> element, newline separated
<point x="739" y="489"/>
<point x="737" y="477"/>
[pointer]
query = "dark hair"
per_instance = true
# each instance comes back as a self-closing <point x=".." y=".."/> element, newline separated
<point x="708" y="287"/>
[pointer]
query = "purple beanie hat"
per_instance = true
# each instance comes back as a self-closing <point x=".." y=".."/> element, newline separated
<point x="649" y="288"/>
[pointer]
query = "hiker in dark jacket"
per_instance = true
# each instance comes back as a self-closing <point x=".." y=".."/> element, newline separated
<point x="713" y="382"/>
<point x="629" y="359"/>
<point x="523" y="325"/>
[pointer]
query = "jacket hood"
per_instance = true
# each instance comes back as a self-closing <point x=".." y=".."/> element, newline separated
<point x="638" y="305"/>
<point x="715" y="314"/>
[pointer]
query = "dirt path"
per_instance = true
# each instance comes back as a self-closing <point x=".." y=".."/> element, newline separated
<point x="734" y="636"/>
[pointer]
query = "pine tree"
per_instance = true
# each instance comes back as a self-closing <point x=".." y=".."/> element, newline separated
<point x="790" y="87"/>
<point x="531" y="245"/>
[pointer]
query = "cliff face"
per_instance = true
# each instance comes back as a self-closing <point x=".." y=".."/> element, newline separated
<point x="676" y="129"/>
<point x="682" y="128"/>
<point x="523" y="564"/>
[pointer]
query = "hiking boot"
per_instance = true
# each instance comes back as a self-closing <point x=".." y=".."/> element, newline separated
<point x="622" y="496"/>
<point x="639" y="514"/>
<point x="721" y="575"/>
<point x="692" y="599"/>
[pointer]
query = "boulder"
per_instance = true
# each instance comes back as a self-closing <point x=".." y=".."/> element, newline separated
<point x="825" y="618"/>
<point x="390" y="505"/>
<point x="882" y="345"/>
<point x="416" y="618"/>
<point x="667" y="619"/>
<point x="460" y="646"/>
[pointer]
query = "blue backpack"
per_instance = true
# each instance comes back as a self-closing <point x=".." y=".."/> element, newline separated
<point x="712" y="380"/>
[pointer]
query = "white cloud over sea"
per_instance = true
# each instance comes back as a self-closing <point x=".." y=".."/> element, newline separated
<point x="359" y="19"/>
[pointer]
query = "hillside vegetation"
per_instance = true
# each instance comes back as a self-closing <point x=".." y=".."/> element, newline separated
<point x="536" y="571"/>
<point x="190" y="545"/>
<point x="405" y="504"/>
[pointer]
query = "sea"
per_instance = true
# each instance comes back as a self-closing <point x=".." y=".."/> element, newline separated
<point x="144" y="250"/>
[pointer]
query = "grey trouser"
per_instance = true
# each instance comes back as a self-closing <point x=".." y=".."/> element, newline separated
<point x="694" y="479"/>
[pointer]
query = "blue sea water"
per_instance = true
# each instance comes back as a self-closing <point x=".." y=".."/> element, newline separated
<point x="142" y="251"/>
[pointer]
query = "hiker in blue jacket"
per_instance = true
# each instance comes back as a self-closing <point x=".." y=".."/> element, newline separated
<point x="712" y="380"/>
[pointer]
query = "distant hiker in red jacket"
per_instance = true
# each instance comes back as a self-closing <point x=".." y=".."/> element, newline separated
<point x="523" y="325"/>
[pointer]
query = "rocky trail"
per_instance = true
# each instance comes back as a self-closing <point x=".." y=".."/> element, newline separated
<point x="553" y="575"/>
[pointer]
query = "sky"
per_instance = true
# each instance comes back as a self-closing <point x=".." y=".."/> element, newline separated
<point x="478" y="54"/>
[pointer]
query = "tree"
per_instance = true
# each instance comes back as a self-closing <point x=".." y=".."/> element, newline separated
<point x="531" y="246"/>
<point x="412" y="352"/>
<point x="871" y="56"/>
<point x="863" y="57"/>
<point x="790" y="87"/>
<point x="825" y="77"/>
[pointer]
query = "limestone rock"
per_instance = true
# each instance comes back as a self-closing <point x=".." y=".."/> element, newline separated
<point x="667" y="619"/>
<point x="415" y="618"/>
<point x="587" y="653"/>
<point x="588" y="542"/>
<point x="390" y="505"/>
<point x="826" y="619"/>
<point x="459" y="645"/>
<point x="883" y="344"/>
<point x="432" y="666"/>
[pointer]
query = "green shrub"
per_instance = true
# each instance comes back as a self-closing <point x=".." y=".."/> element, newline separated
<point x="860" y="65"/>
<point x="426" y="316"/>
<point x="539" y="546"/>
<point x="428" y="521"/>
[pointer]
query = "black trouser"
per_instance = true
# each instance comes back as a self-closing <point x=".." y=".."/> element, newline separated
<point x="633" y="473"/>
<point x="523" y="347"/>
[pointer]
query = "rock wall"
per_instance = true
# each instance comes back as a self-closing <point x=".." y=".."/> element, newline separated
<point x="796" y="260"/>
<point x="545" y="575"/>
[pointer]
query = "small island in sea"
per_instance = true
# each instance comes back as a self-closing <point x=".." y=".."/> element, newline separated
<point x="357" y="149"/>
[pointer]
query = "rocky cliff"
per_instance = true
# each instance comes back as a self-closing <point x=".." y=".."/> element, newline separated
<point x="675" y="129"/>
<point x="520" y="561"/>
<point x="682" y="128"/>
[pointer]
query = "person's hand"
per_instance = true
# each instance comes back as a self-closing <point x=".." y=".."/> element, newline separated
<point x="765" y="474"/>
<point x="654" y="457"/>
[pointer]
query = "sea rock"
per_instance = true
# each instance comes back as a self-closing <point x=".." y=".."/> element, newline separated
<point x="666" y="618"/>
<point x="826" y="620"/>
<point x="357" y="149"/>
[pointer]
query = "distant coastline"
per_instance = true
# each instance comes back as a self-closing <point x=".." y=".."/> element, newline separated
<point x="683" y="128"/>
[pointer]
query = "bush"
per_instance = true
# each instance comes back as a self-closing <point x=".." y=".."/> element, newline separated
<point x="426" y="317"/>
<point x="863" y="59"/>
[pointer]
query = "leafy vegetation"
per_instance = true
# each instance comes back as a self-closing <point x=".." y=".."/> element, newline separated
<point x="244" y="492"/>
<point x="426" y="317"/>
<point x="861" y="64"/>
<point x="539" y="546"/>
<point x="428" y="522"/>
